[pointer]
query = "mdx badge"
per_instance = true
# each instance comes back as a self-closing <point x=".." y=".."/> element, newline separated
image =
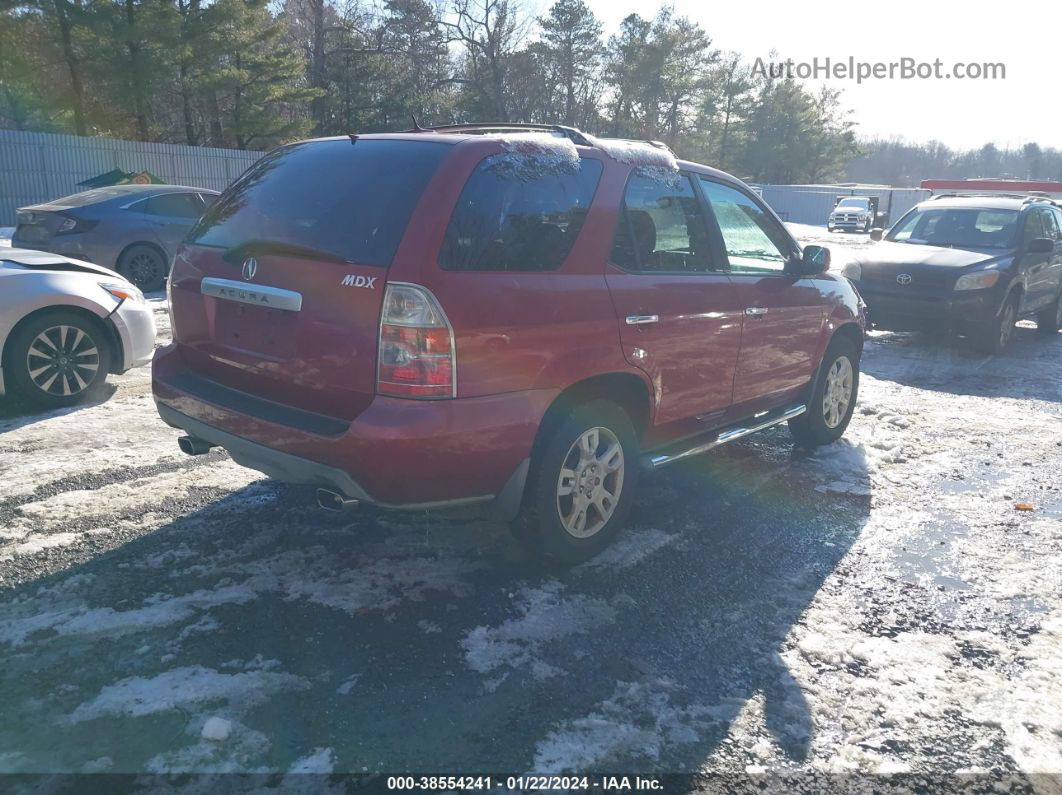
<point x="368" y="282"/>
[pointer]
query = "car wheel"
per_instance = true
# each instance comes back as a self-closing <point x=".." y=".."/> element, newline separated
<point x="144" y="266"/>
<point x="1049" y="321"/>
<point x="996" y="335"/>
<point x="833" y="397"/>
<point x="58" y="359"/>
<point x="582" y="484"/>
<point x="830" y="228"/>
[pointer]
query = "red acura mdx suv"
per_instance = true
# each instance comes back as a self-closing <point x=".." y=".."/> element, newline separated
<point x="523" y="315"/>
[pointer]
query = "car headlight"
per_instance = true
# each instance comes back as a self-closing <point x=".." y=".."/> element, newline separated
<point x="123" y="292"/>
<point x="853" y="271"/>
<point x="978" y="280"/>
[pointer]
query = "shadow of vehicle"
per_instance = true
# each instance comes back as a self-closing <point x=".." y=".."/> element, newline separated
<point x="16" y="413"/>
<point x="429" y="642"/>
<point x="1031" y="368"/>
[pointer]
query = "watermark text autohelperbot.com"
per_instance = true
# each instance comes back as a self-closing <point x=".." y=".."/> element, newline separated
<point x="860" y="71"/>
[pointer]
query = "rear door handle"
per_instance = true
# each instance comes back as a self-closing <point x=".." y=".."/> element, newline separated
<point x="756" y="311"/>
<point x="641" y="320"/>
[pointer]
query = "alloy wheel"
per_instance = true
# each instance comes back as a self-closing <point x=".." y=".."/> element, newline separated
<point x="837" y="394"/>
<point x="590" y="482"/>
<point x="142" y="268"/>
<point x="63" y="360"/>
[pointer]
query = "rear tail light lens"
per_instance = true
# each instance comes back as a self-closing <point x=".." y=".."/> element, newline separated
<point x="416" y="357"/>
<point x="71" y="225"/>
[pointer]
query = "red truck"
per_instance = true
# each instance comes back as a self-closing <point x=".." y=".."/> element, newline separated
<point x="520" y="314"/>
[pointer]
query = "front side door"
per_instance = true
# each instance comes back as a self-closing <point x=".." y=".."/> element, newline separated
<point x="679" y="314"/>
<point x="783" y="314"/>
<point x="1036" y="267"/>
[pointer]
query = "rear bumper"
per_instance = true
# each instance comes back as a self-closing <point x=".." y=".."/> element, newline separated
<point x="938" y="311"/>
<point x="397" y="453"/>
<point x="65" y="245"/>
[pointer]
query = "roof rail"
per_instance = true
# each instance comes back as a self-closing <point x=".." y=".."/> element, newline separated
<point x="571" y="133"/>
<point x="985" y="195"/>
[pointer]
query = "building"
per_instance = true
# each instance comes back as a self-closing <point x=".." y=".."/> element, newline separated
<point x="811" y="204"/>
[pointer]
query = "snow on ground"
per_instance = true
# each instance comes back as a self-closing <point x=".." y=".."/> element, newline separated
<point x="772" y="617"/>
<point x="6" y="233"/>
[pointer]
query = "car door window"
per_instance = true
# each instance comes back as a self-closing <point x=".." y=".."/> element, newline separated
<point x="1051" y="227"/>
<point x="661" y="228"/>
<point x="173" y="205"/>
<point x="1032" y="228"/>
<point x="754" y="242"/>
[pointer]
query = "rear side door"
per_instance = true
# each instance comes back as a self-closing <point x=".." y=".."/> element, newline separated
<point x="1037" y="270"/>
<point x="783" y="314"/>
<point x="679" y="313"/>
<point x="171" y="216"/>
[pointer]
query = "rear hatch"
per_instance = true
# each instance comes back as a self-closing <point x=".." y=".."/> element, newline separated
<point x="277" y="292"/>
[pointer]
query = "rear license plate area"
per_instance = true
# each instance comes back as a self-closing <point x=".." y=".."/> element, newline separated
<point x="266" y="332"/>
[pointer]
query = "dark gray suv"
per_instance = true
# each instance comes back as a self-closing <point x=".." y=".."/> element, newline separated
<point x="972" y="265"/>
<point x="133" y="229"/>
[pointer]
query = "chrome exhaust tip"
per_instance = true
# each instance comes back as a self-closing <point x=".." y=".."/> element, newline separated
<point x="333" y="500"/>
<point x="190" y="445"/>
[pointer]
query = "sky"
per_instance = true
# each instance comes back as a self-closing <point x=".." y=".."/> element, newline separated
<point x="963" y="114"/>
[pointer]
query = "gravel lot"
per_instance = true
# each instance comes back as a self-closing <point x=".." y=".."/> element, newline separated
<point x="877" y="607"/>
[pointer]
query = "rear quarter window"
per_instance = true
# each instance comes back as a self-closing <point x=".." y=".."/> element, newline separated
<point x="350" y="200"/>
<point x="518" y="219"/>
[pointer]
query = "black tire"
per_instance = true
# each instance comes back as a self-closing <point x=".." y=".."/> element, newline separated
<point x="812" y="428"/>
<point x="143" y="265"/>
<point x="539" y="525"/>
<point x="1049" y="321"/>
<point x="830" y="228"/>
<point x="75" y="364"/>
<point x="994" y="337"/>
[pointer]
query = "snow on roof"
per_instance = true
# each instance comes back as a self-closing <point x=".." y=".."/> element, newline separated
<point x="637" y="153"/>
<point x="530" y="155"/>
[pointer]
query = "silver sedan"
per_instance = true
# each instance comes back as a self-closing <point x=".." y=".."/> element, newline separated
<point x="64" y="325"/>
<point x="133" y="229"/>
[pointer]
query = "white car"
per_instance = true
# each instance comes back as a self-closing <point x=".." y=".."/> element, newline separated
<point x="65" y="324"/>
<point x="855" y="213"/>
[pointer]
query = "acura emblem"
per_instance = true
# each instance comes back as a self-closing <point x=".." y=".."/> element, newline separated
<point x="903" y="278"/>
<point x="250" y="267"/>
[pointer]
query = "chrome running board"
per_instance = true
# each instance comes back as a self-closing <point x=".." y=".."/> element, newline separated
<point x="698" y="445"/>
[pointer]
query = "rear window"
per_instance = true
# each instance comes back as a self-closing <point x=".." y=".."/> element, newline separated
<point x="522" y="218"/>
<point x="91" y="197"/>
<point x="349" y="200"/>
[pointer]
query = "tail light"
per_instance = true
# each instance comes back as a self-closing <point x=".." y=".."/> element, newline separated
<point x="417" y="357"/>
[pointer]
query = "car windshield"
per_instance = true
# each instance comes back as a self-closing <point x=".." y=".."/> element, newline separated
<point x="858" y="204"/>
<point x="958" y="227"/>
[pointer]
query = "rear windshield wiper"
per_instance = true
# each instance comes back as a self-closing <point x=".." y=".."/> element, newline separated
<point x="237" y="253"/>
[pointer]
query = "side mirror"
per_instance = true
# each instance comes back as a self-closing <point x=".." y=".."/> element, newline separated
<point x="815" y="259"/>
<point x="1040" y="245"/>
<point x="877" y="233"/>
